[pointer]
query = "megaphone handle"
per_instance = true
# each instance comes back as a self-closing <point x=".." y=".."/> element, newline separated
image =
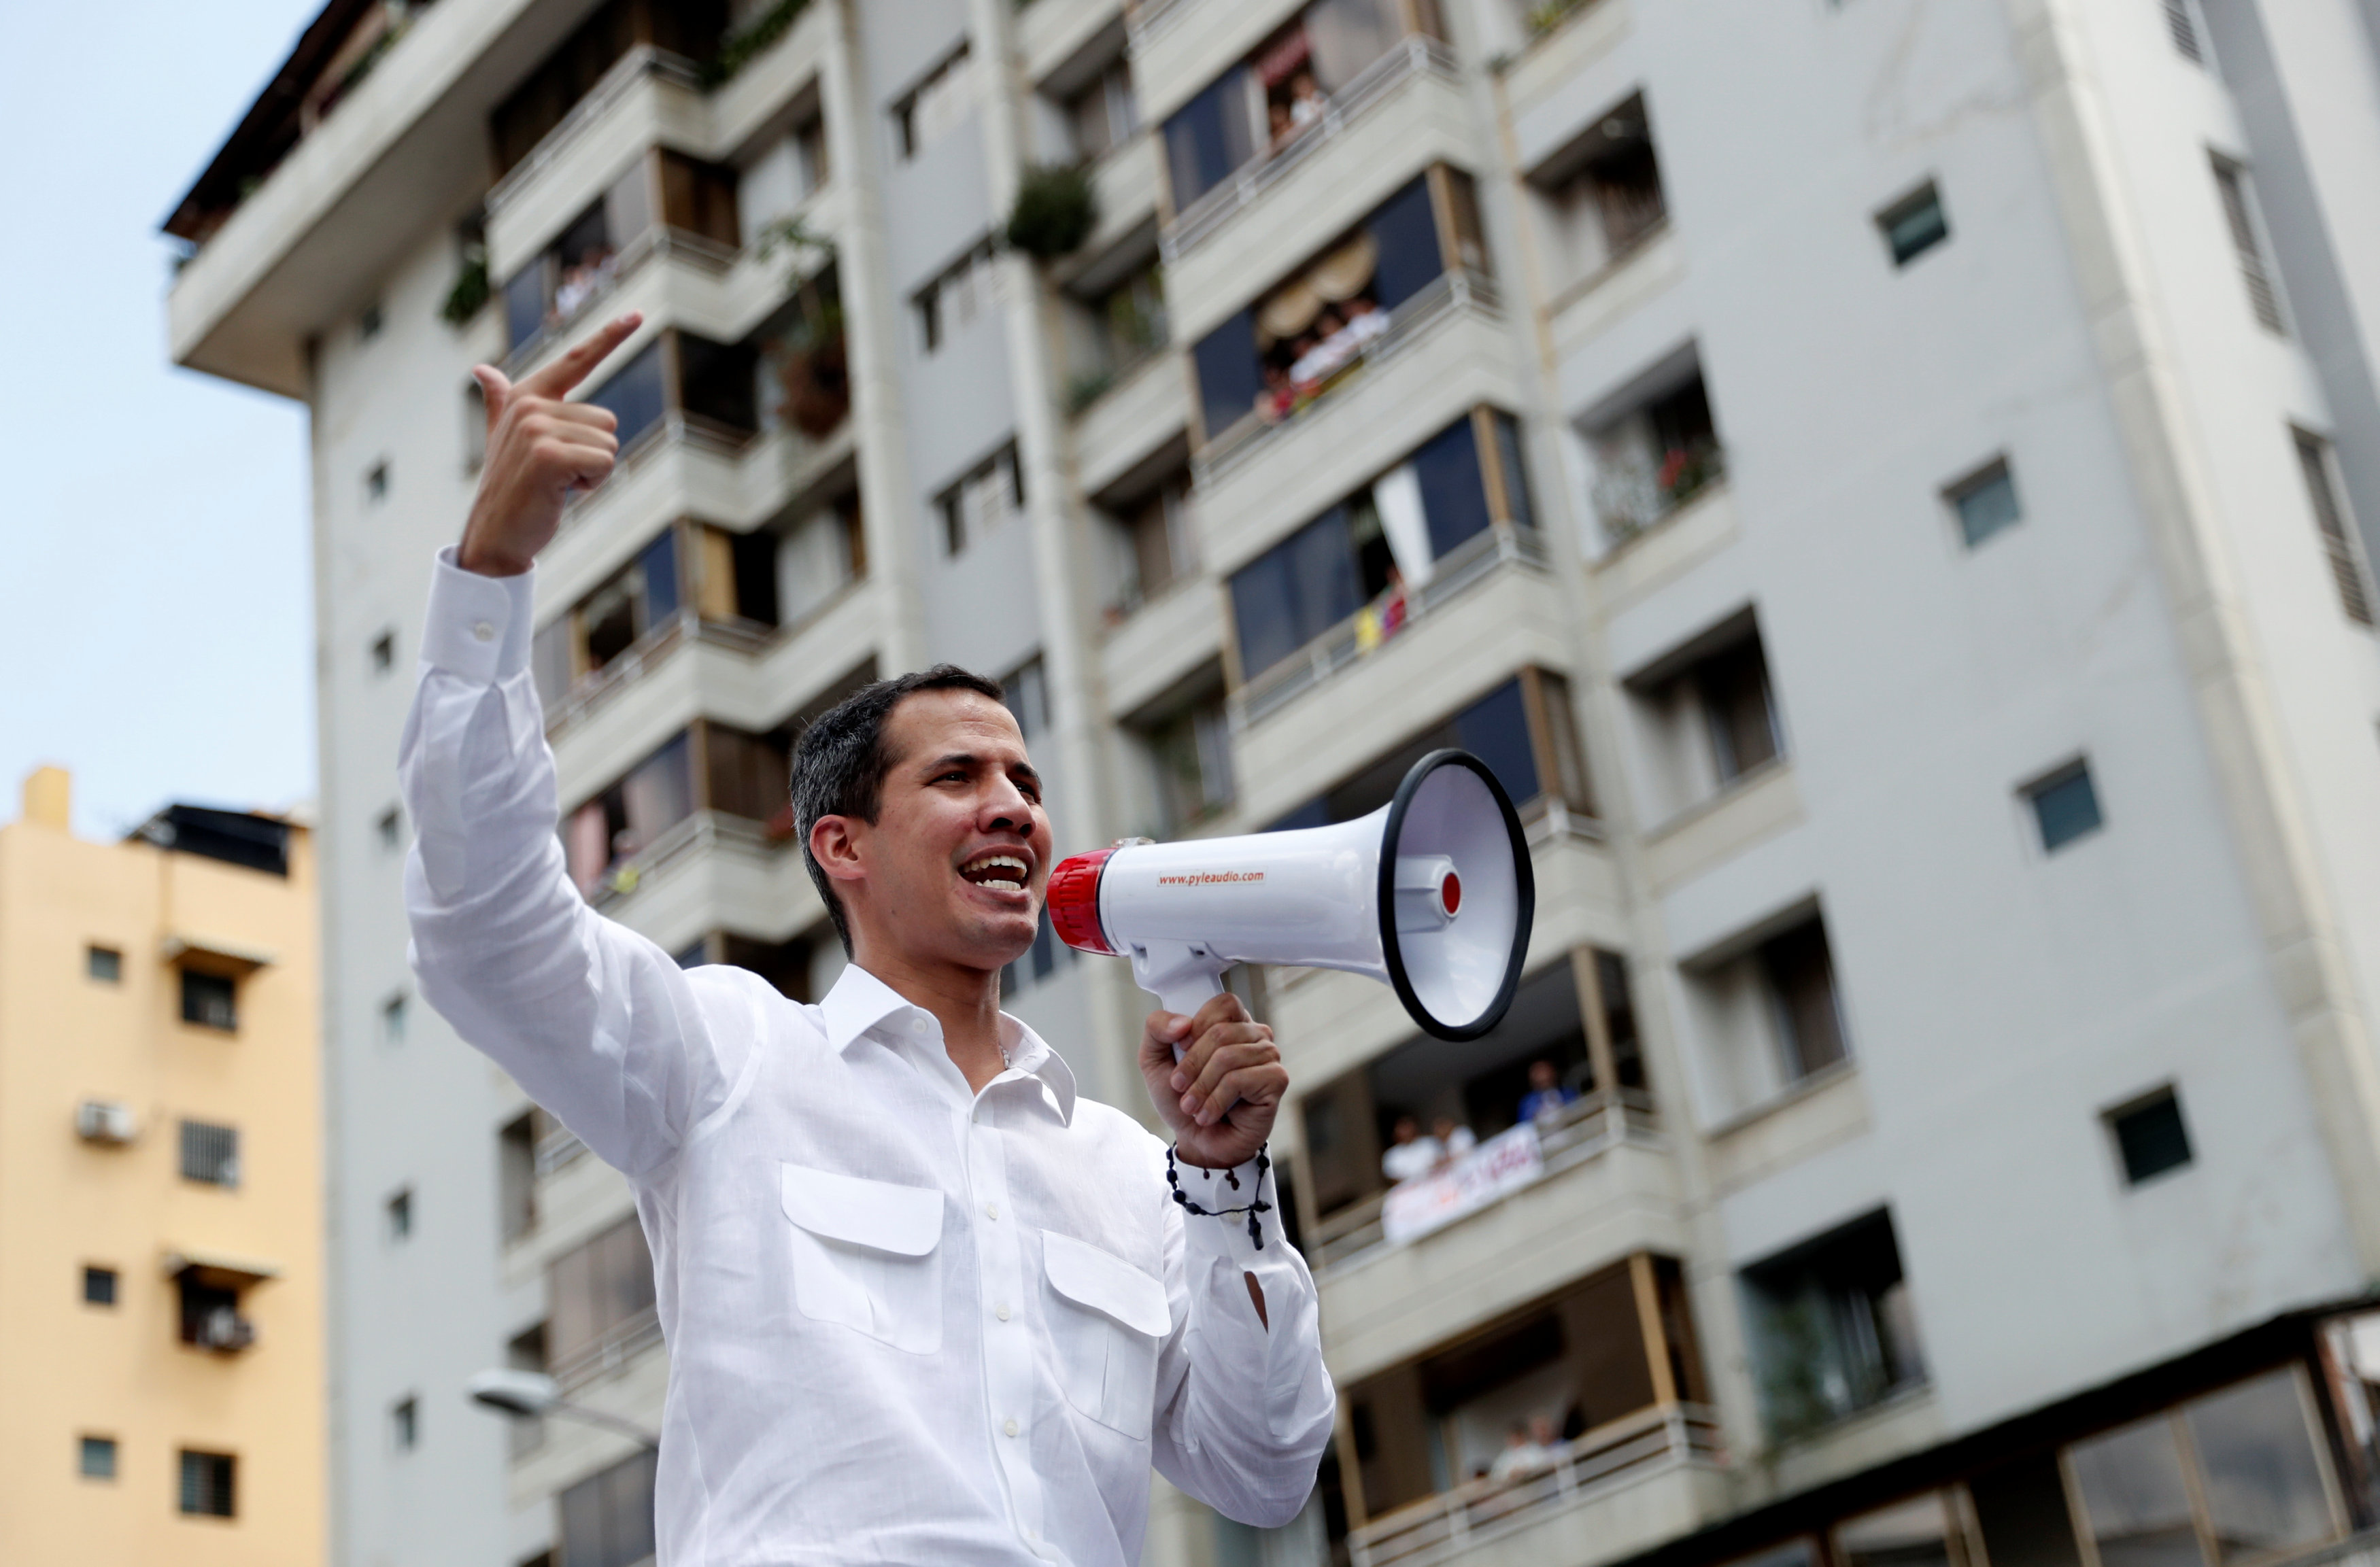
<point x="1182" y="977"/>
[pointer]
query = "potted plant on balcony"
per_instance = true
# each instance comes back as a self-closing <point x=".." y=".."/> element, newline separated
<point x="813" y="368"/>
<point x="1056" y="210"/>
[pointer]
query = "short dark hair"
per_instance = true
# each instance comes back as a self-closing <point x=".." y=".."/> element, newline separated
<point x="840" y="762"/>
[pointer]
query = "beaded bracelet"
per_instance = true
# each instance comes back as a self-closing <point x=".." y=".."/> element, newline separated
<point x="1253" y="1207"/>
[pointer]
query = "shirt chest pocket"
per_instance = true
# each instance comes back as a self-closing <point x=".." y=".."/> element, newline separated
<point x="866" y="1254"/>
<point x="1106" y="1318"/>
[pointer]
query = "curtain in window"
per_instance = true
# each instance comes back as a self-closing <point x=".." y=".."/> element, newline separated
<point x="1293" y="592"/>
<point x="1343" y="36"/>
<point x="1405" y="229"/>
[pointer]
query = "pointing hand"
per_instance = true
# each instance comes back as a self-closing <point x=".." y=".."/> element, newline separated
<point x="540" y="450"/>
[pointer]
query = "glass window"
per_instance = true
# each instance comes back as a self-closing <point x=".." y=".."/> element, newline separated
<point x="98" y="1460"/>
<point x="1496" y="729"/>
<point x="210" y="1001"/>
<point x="2150" y="1136"/>
<point x="2259" y="1473"/>
<point x="103" y="964"/>
<point x="1834" y="1331"/>
<point x="1230" y="374"/>
<point x="635" y="395"/>
<point x="1516" y="472"/>
<point x="2135" y="1499"/>
<point x="658" y="563"/>
<point x="1453" y="489"/>
<point x="599" y="1288"/>
<point x="1733" y="684"/>
<point x="2065" y="805"/>
<point x="1404" y="233"/>
<point x="1213" y="134"/>
<point x="1920" y="1532"/>
<point x="1295" y="591"/>
<point x="1986" y="503"/>
<point x="207" y="1480"/>
<point x="1915" y="225"/>
<point x="99" y="1286"/>
<point x="607" y="1519"/>
<point x="1802" y="977"/>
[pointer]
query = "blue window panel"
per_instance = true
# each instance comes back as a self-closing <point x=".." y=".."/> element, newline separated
<point x="1294" y="592"/>
<point x="1453" y="489"/>
<point x="635" y="395"/>
<point x="1516" y="476"/>
<point x="1986" y="506"/>
<point x="2067" y="807"/>
<point x="1915" y="226"/>
<point x="1230" y="372"/>
<point x="660" y="563"/>
<point x="1496" y="729"/>
<point x="1209" y="137"/>
<point x="2151" y="1138"/>
<point x="525" y="304"/>
<point x="1405" y="233"/>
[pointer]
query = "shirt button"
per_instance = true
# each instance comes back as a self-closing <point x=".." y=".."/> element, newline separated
<point x="1010" y="1429"/>
<point x="1000" y="1311"/>
<point x="991" y="1210"/>
<point x="484" y="632"/>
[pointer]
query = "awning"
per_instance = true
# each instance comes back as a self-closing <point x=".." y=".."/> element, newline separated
<point x="219" y="1269"/>
<point x="212" y="954"/>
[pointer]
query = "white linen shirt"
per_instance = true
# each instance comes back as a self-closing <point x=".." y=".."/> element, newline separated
<point x="907" y="1322"/>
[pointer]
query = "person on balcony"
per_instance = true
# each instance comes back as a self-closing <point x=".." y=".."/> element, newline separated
<point x="1548" y="1093"/>
<point x="1410" y="1155"/>
<point x="1526" y="1453"/>
<point x="888" y="1216"/>
<point x="1453" y="1139"/>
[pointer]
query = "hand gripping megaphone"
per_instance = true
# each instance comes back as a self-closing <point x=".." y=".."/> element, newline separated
<point x="1431" y="894"/>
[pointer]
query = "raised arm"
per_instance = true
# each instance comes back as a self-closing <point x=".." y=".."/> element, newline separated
<point x="597" y="1024"/>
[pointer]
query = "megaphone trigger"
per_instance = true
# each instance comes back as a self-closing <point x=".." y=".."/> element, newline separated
<point x="1432" y="895"/>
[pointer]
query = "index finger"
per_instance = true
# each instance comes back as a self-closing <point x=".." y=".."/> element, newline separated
<point x="574" y="367"/>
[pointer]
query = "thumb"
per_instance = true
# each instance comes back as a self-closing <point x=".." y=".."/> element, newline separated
<point x="494" y="391"/>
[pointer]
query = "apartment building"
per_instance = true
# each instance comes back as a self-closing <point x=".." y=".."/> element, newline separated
<point x="1887" y="487"/>
<point x="161" y="1236"/>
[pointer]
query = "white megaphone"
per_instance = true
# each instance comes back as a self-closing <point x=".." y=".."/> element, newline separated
<point x="1431" y="894"/>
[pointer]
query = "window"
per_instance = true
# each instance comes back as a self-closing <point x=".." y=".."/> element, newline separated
<point x="1914" y="224"/>
<point x="599" y="1289"/>
<point x="2330" y="518"/>
<point x="376" y="481"/>
<point x="1659" y="453"/>
<point x="1192" y="751"/>
<point x="383" y="652"/>
<point x="399" y="1213"/>
<point x="640" y="600"/>
<point x="2065" y="807"/>
<point x="405" y="1423"/>
<point x="1368" y="553"/>
<point x="987" y="497"/>
<point x="1802" y="984"/>
<point x="967" y="288"/>
<point x="1103" y="114"/>
<point x="2229" y="1478"/>
<point x="367" y="324"/>
<point x="636" y="394"/>
<point x="526" y="1351"/>
<point x="475" y="427"/>
<point x="99" y="1286"/>
<point x="935" y="104"/>
<point x="2239" y="217"/>
<point x="210" y="1001"/>
<point x="1026" y="693"/>
<point x="2182" y="24"/>
<point x="1311" y="330"/>
<point x="1733" y="687"/>
<point x="103" y="964"/>
<point x="632" y="815"/>
<point x="1833" y="1329"/>
<point x="207" y="1483"/>
<point x="1155" y="545"/>
<point x="810" y="163"/>
<point x="1603" y="193"/>
<point x="1932" y="1530"/>
<point x="210" y="1153"/>
<point x="1984" y="502"/>
<point x="607" y="1519"/>
<point x="1279" y="96"/>
<point x="2150" y="1137"/>
<point x="390" y="827"/>
<point x="392" y="1019"/>
<point x="516" y="1176"/>
<point x="584" y="259"/>
<point x="97" y="1461"/>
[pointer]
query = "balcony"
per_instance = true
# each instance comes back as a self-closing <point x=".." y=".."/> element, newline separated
<point x="1447" y="348"/>
<point x="1146" y="404"/>
<point x="1161" y="642"/>
<point x="649" y="98"/>
<point x="709" y="870"/>
<point x="1666" y="1462"/>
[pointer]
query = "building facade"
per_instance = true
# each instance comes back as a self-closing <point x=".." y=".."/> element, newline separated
<point x="161" y="1240"/>
<point x="1886" y="487"/>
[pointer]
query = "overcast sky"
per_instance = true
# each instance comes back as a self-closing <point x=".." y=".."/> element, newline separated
<point x="157" y="636"/>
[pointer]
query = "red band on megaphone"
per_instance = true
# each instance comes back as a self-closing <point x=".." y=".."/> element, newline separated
<point x="1074" y="901"/>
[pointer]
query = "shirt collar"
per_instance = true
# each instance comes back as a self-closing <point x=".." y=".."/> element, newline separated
<point x="859" y="1000"/>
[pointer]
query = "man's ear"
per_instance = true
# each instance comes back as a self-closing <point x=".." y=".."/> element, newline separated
<point x="835" y="844"/>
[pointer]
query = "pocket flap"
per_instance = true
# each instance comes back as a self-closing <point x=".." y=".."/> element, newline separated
<point x="1090" y="1276"/>
<point x="906" y="1221"/>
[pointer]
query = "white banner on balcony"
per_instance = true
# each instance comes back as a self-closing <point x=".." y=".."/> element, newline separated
<point x="1501" y="1165"/>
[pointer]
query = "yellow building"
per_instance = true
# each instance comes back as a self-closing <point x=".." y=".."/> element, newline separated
<point x="160" y="1308"/>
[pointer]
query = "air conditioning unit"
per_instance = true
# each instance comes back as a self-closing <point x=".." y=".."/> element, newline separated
<point x="103" y="1121"/>
<point x="224" y="1328"/>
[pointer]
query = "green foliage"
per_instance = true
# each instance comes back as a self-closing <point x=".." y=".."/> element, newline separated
<point x="1544" y="18"/>
<point x="471" y="288"/>
<point x="747" y="44"/>
<point x="1056" y="210"/>
<point x="1083" y="390"/>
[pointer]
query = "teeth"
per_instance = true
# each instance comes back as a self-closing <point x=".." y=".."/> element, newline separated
<point x="983" y="865"/>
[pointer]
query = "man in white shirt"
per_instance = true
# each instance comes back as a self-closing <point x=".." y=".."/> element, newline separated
<point x="923" y="1303"/>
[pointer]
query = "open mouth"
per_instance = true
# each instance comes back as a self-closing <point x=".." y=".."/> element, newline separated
<point x="999" y="871"/>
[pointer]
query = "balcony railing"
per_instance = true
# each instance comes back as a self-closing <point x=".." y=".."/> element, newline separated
<point x="1454" y="293"/>
<point x="609" y="1354"/>
<point x="1586" y="1126"/>
<point x="1601" y="1461"/>
<point x="1465" y="567"/>
<point x="1418" y="55"/>
<point x="676" y="428"/>
<point x="653" y="243"/>
<point x="683" y="840"/>
<point x="1151" y="19"/>
<point x="745" y="637"/>
<point x="632" y="68"/>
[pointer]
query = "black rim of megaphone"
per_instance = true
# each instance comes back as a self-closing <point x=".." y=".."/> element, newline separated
<point x="1526" y="891"/>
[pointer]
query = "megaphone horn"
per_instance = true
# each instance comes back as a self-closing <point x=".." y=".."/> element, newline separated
<point x="1432" y="895"/>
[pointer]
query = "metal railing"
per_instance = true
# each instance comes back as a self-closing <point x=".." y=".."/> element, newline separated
<point x="676" y="428"/>
<point x="1202" y="219"/>
<point x="630" y="69"/>
<point x="1151" y="19"/>
<point x="1586" y="1127"/>
<point x="1622" y="1453"/>
<point x="685" y="839"/>
<point x="1465" y="567"/>
<point x="611" y="1353"/>
<point x="1453" y="294"/>
<point x="654" y="243"/>
<point x="747" y="637"/>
